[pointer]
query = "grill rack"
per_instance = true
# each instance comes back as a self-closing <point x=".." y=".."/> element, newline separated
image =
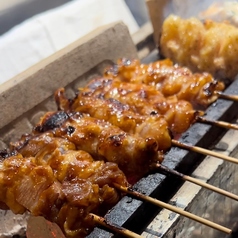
<point x="135" y="215"/>
<point x="71" y="60"/>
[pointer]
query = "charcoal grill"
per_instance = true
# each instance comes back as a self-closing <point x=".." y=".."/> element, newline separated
<point x="135" y="215"/>
<point x="75" y="65"/>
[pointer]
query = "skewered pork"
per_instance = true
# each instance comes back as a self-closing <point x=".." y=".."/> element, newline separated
<point x="62" y="184"/>
<point x="210" y="46"/>
<point x="169" y="79"/>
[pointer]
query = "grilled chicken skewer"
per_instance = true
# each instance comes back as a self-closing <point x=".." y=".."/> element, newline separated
<point x="97" y="137"/>
<point x="204" y="49"/>
<point x="120" y="115"/>
<point x="72" y="189"/>
<point x="178" y="113"/>
<point x="135" y="166"/>
<point x="200" y="89"/>
<point x="144" y="100"/>
<point x="60" y="183"/>
<point x="153" y="126"/>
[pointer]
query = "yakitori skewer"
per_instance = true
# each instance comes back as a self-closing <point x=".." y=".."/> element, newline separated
<point x="159" y="203"/>
<point x="204" y="151"/>
<point x="169" y="79"/>
<point x="113" y="227"/>
<point x="138" y="99"/>
<point x="120" y="115"/>
<point x="114" y="145"/>
<point x="190" y="42"/>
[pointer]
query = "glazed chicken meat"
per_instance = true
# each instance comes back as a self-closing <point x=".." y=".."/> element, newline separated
<point x="210" y="46"/>
<point x="59" y="182"/>
<point x="169" y="79"/>
<point x="120" y="115"/>
<point x="144" y="100"/>
<point x="100" y="139"/>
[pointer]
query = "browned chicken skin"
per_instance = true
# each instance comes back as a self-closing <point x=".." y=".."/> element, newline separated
<point x="208" y="46"/>
<point x="102" y="140"/>
<point x="169" y="79"/>
<point x="60" y="183"/>
<point x="120" y="115"/>
<point x="144" y="100"/>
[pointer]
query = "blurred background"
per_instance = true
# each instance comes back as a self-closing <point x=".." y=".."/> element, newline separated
<point x="31" y="30"/>
<point x="13" y="12"/>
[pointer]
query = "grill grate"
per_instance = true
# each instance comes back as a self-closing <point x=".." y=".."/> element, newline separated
<point x="136" y="215"/>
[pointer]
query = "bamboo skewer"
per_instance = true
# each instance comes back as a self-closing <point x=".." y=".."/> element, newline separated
<point x="226" y="96"/>
<point x="118" y="229"/>
<point x="197" y="182"/>
<point x="218" y="123"/>
<point x="204" y="151"/>
<point x="174" y="209"/>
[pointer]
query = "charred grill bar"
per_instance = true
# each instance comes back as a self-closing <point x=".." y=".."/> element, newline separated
<point x="130" y="213"/>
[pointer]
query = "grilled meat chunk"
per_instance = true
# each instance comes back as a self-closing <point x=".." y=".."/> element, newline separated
<point x="144" y="100"/>
<point x="210" y="46"/>
<point x="119" y="114"/>
<point x="63" y="185"/>
<point x="197" y="88"/>
<point x="105" y="142"/>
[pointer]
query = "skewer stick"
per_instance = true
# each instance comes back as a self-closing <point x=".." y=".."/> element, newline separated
<point x="173" y="209"/>
<point x="118" y="229"/>
<point x="218" y="123"/>
<point x="197" y="181"/>
<point x="226" y="96"/>
<point x="204" y="151"/>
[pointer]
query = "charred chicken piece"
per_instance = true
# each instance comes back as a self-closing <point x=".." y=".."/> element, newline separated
<point x="30" y="145"/>
<point x="144" y="100"/>
<point x="197" y="88"/>
<point x="119" y="114"/>
<point x="210" y="46"/>
<point x="103" y="141"/>
<point x="64" y="186"/>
